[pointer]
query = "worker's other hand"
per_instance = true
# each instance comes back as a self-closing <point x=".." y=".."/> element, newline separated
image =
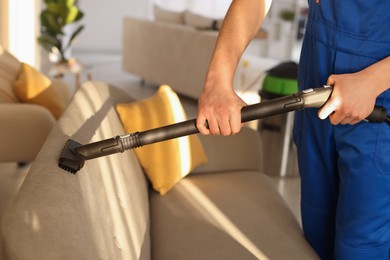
<point x="221" y="108"/>
<point x="352" y="100"/>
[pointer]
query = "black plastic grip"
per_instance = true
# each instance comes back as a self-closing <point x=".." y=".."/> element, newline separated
<point x="378" y="115"/>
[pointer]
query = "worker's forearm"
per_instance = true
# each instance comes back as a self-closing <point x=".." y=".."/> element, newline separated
<point x="241" y="23"/>
<point x="380" y="72"/>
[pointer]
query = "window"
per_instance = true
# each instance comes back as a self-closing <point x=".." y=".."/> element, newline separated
<point x="23" y="26"/>
<point x="4" y="23"/>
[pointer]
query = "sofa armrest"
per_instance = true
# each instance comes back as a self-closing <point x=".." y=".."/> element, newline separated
<point x="24" y="128"/>
<point x="230" y="153"/>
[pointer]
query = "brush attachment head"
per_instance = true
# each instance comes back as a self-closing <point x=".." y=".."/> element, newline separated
<point x="70" y="160"/>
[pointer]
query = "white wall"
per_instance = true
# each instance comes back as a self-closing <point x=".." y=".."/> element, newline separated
<point x="103" y="19"/>
<point x="210" y="8"/>
<point x="103" y="23"/>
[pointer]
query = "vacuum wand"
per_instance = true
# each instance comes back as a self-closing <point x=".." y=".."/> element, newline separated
<point x="74" y="154"/>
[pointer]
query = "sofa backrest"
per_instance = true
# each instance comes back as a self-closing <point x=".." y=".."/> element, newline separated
<point x="102" y="212"/>
<point x="9" y="70"/>
<point x="168" y="53"/>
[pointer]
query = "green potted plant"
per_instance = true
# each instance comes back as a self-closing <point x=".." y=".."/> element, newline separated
<point x="57" y="36"/>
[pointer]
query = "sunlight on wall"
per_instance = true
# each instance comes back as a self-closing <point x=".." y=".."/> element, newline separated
<point x="22" y="30"/>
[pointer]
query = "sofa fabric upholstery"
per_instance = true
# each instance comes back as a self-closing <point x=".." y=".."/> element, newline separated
<point x="24" y="128"/>
<point x="239" y="215"/>
<point x="167" y="53"/>
<point x="179" y="55"/>
<point x="25" y="125"/>
<point x="109" y="211"/>
<point x="100" y="213"/>
<point x="9" y="71"/>
<point x="231" y="153"/>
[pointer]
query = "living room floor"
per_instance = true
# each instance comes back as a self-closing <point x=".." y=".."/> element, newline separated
<point x="107" y="67"/>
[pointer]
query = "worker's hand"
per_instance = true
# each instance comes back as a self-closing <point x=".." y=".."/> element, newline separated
<point x="221" y="108"/>
<point x="352" y="100"/>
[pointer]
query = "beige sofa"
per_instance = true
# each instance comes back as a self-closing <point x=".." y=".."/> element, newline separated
<point x="179" y="55"/>
<point x="226" y="209"/>
<point x="24" y="126"/>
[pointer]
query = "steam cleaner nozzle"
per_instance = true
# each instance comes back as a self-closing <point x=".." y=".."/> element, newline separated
<point x="69" y="160"/>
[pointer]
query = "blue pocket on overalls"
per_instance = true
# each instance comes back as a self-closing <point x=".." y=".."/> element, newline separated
<point x="367" y="15"/>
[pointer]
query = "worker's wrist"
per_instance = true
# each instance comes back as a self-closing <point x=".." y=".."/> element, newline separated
<point x="379" y="75"/>
<point x="219" y="78"/>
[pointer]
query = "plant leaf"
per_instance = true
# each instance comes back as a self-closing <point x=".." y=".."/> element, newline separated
<point x="48" y="42"/>
<point x="49" y="22"/>
<point x="80" y="15"/>
<point x="73" y="36"/>
<point x="54" y="18"/>
<point x="53" y="7"/>
<point x="50" y="1"/>
<point x="71" y="14"/>
<point x="68" y="3"/>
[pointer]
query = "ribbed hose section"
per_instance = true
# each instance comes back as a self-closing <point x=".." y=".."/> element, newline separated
<point x="130" y="141"/>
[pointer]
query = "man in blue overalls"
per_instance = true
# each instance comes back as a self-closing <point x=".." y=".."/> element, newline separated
<point x="344" y="162"/>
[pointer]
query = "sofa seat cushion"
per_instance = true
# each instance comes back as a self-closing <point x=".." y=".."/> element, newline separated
<point x="230" y="215"/>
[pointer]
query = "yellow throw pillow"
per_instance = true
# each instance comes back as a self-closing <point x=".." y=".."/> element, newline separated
<point x="164" y="163"/>
<point x="33" y="87"/>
